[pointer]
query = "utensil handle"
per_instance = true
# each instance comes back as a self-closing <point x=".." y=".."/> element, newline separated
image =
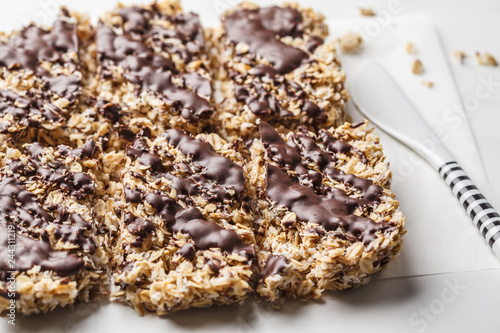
<point x="482" y="213"/>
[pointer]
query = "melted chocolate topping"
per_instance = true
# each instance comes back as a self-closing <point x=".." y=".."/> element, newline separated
<point x="110" y="111"/>
<point x="327" y="211"/>
<point x="24" y="109"/>
<point x="187" y="251"/>
<point x="358" y="124"/>
<point x="77" y="184"/>
<point x="313" y="42"/>
<point x="133" y="195"/>
<point x="198" y="84"/>
<point x="334" y="145"/>
<point x="205" y="234"/>
<point x="140" y="150"/>
<point x="220" y="169"/>
<point x="186" y="28"/>
<point x="33" y="44"/>
<point x="275" y="264"/>
<point x="289" y="155"/>
<point x="135" y="19"/>
<point x="259" y="27"/>
<point x="262" y="103"/>
<point x="141" y="228"/>
<point x="332" y="208"/>
<point x="21" y="208"/>
<point x="30" y="252"/>
<point x="152" y="71"/>
<point x="32" y="219"/>
<point x="215" y="183"/>
<point x="65" y="86"/>
<point x="88" y="150"/>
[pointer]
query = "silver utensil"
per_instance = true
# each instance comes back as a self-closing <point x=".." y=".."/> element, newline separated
<point x="381" y="100"/>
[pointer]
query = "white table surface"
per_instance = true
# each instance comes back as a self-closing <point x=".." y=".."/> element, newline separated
<point x="454" y="300"/>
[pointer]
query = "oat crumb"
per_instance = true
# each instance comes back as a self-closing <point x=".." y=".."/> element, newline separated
<point x="417" y="67"/>
<point x="459" y="56"/>
<point x="410" y="47"/>
<point x="428" y="84"/>
<point x="486" y="59"/>
<point x="350" y="42"/>
<point x="366" y="12"/>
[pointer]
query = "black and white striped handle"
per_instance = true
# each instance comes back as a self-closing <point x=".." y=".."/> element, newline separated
<point x="482" y="213"/>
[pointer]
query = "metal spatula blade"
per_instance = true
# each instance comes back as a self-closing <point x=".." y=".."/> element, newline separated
<point x="381" y="100"/>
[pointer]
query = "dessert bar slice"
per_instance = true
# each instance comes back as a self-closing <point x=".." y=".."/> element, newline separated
<point x="184" y="234"/>
<point x="48" y="241"/>
<point x="275" y="66"/>
<point x="153" y="69"/>
<point x="42" y="77"/>
<point x="327" y="217"/>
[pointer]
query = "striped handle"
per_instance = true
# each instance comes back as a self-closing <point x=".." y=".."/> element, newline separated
<point x="482" y="213"/>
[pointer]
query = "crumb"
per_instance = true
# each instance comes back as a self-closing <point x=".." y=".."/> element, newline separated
<point x="417" y="67"/>
<point x="410" y="47"/>
<point x="428" y="84"/>
<point x="350" y="42"/>
<point x="486" y="59"/>
<point x="366" y="12"/>
<point x="459" y="56"/>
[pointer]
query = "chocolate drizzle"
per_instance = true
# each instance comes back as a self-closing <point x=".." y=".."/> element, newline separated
<point x="331" y="208"/>
<point x="219" y="180"/>
<point x="259" y="27"/>
<point x="31" y="219"/>
<point x="140" y="150"/>
<point x="151" y="71"/>
<point x="187" y="251"/>
<point x="133" y="195"/>
<point x="21" y="208"/>
<point x="289" y="155"/>
<point x="205" y="234"/>
<point x="88" y="150"/>
<point x="26" y="109"/>
<point x="334" y="145"/>
<point x="77" y="184"/>
<point x="30" y="252"/>
<point x="327" y="211"/>
<point x="33" y="44"/>
<point x="224" y="172"/>
<point x="185" y="28"/>
<point x="262" y="103"/>
<point x="141" y="228"/>
<point x="313" y="42"/>
<point x="135" y="19"/>
<point x="275" y="264"/>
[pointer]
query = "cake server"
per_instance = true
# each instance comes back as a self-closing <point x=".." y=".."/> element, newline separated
<point x="381" y="100"/>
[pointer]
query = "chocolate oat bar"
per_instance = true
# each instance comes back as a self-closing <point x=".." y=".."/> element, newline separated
<point x="327" y="219"/>
<point x="185" y="235"/>
<point x="153" y="69"/>
<point x="276" y="67"/>
<point x="42" y="77"/>
<point x="47" y="225"/>
<point x="126" y="170"/>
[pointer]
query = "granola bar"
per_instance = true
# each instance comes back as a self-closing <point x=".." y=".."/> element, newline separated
<point x="326" y="217"/>
<point x="276" y="67"/>
<point x="42" y="77"/>
<point x="126" y="170"/>
<point x="153" y="69"/>
<point x="47" y="195"/>
<point x="184" y="236"/>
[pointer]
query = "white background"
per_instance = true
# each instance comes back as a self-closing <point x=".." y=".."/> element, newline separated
<point x="446" y="279"/>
